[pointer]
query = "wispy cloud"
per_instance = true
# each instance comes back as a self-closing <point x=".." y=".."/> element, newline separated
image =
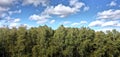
<point x="14" y="12"/>
<point x="52" y="21"/>
<point x="112" y="3"/>
<point x="79" y="23"/>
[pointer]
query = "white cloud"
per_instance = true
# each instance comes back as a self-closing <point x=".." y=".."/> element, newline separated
<point x="96" y="23"/>
<point x="73" y="2"/>
<point x="3" y="9"/>
<point x="36" y="2"/>
<point x="110" y="23"/>
<point x="112" y="3"/>
<point x="6" y="2"/>
<point x="75" y="24"/>
<point x="16" y="20"/>
<point x="13" y="24"/>
<point x="104" y="23"/>
<point x="59" y="10"/>
<point x="9" y="19"/>
<point x="106" y="29"/>
<point x="42" y="21"/>
<point x="86" y="8"/>
<point x="39" y="18"/>
<point x="66" y="22"/>
<point x="52" y="21"/>
<point x="107" y="18"/>
<point x="83" y="22"/>
<point x="26" y="25"/>
<point x="79" y="23"/>
<point x="76" y="4"/>
<point x="62" y="10"/>
<point x="5" y="6"/>
<point x="14" y="12"/>
<point x="109" y="14"/>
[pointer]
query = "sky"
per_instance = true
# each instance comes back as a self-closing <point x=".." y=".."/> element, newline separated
<point x="100" y="15"/>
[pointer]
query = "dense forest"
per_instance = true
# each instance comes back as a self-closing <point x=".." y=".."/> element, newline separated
<point x="43" y="41"/>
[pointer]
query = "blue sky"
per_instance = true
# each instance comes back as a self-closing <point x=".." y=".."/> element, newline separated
<point x="96" y="14"/>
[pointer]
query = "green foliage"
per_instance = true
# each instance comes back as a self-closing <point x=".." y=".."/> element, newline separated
<point x="43" y="41"/>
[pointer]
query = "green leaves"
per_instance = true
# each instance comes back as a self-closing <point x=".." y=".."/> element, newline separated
<point x="43" y="41"/>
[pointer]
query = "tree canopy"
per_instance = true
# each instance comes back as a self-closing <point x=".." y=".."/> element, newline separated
<point x="43" y="41"/>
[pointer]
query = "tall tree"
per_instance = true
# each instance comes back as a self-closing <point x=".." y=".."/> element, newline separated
<point x="42" y="41"/>
<point x="21" y="42"/>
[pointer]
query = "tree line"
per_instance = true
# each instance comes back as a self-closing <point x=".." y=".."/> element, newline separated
<point x="43" y="41"/>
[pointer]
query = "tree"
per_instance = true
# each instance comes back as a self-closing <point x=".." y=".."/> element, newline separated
<point x="21" y="42"/>
<point x="42" y="41"/>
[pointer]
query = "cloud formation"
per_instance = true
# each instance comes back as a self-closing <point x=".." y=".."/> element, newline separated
<point x="86" y="8"/>
<point x="107" y="18"/>
<point x="112" y="3"/>
<point x="14" y="12"/>
<point x="52" y="21"/>
<point x="7" y="2"/>
<point x="59" y="10"/>
<point x="35" y="2"/>
<point x="109" y="14"/>
<point x="62" y="10"/>
<point x="66" y="22"/>
<point x="79" y="23"/>
<point x="104" y="23"/>
<point x="39" y="18"/>
<point x="96" y="23"/>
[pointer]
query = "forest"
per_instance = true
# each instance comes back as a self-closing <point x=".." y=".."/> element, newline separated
<point x="43" y="41"/>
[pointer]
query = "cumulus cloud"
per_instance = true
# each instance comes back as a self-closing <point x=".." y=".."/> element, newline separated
<point x="6" y="2"/>
<point x="107" y="18"/>
<point x="109" y="14"/>
<point x="62" y="10"/>
<point x="11" y="21"/>
<point x="112" y="3"/>
<point x="58" y="10"/>
<point x="104" y="23"/>
<point x="13" y="24"/>
<point x="52" y="21"/>
<point x="39" y="18"/>
<point x="35" y="2"/>
<point x="16" y="20"/>
<point x="76" y="4"/>
<point x="5" y="6"/>
<point x="110" y="23"/>
<point x="96" y="23"/>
